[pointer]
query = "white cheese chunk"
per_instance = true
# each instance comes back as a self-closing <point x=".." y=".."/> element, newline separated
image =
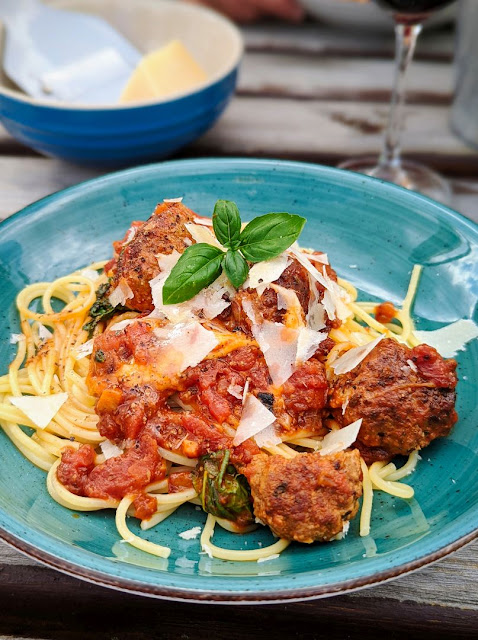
<point x="255" y="417"/>
<point x="353" y="357"/>
<point x="40" y="409"/>
<point x="340" y="439"/>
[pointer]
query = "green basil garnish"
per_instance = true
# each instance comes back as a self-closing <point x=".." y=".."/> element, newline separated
<point x="236" y="268"/>
<point x="266" y="237"/>
<point x="197" y="268"/>
<point x="262" y="239"/>
<point x="226" y="223"/>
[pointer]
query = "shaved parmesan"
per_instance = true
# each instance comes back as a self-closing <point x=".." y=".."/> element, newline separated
<point x="173" y="199"/>
<point x="335" y="299"/>
<point x="16" y="337"/>
<point x="205" y="221"/>
<point x="262" y="274"/>
<point x="120" y="294"/>
<point x="315" y="317"/>
<point x="267" y="437"/>
<point x="190" y="534"/>
<point x="91" y="274"/>
<point x="110" y="450"/>
<point x="307" y="343"/>
<point x="212" y="300"/>
<point x="201" y="233"/>
<point x="236" y="391"/>
<point x="450" y="339"/>
<point x="183" y="346"/>
<point x="130" y="234"/>
<point x="279" y="346"/>
<point x="255" y="417"/>
<point x="119" y="326"/>
<point x="316" y="257"/>
<point x="340" y="439"/>
<point x="353" y="357"/>
<point x="287" y="299"/>
<point x="84" y="349"/>
<point x="40" y="409"/>
<point x="245" y="392"/>
<point x="412" y="365"/>
<point x="43" y="332"/>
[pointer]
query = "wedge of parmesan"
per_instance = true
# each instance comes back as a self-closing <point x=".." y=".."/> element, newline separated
<point x="262" y="274"/>
<point x="40" y="409"/>
<point x="120" y="294"/>
<point x="353" y="357"/>
<point x="340" y="439"/>
<point x="450" y="339"/>
<point x="255" y="418"/>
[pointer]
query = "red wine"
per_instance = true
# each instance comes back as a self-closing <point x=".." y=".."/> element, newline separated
<point x="411" y="7"/>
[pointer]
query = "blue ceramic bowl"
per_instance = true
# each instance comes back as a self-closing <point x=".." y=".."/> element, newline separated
<point x="373" y="232"/>
<point x="116" y="135"/>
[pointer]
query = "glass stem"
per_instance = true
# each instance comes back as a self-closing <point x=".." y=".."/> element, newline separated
<point x="405" y="41"/>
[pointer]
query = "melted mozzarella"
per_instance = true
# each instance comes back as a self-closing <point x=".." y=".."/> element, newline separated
<point x="40" y="409"/>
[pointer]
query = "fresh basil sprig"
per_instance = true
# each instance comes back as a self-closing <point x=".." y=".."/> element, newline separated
<point x="263" y="238"/>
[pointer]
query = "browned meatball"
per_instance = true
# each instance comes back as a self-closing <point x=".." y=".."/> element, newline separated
<point x="307" y="498"/>
<point x="403" y="406"/>
<point x="163" y="233"/>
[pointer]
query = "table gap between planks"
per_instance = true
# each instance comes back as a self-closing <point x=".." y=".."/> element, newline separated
<point x="307" y="93"/>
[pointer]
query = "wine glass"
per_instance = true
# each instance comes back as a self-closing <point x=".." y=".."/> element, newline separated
<point x="409" y="16"/>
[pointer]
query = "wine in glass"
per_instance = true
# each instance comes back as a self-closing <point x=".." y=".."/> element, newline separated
<point x="408" y="16"/>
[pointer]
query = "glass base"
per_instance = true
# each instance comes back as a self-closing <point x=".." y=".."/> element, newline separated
<point x="410" y="175"/>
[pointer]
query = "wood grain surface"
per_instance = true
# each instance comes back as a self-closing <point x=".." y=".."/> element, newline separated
<point x="307" y="93"/>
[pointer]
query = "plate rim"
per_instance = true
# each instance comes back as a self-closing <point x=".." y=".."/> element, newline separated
<point x="222" y="596"/>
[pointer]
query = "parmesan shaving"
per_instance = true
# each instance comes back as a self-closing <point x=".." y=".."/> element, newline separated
<point x="450" y="339"/>
<point x="267" y="437"/>
<point x="205" y="221"/>
<point x="190" y="534"/>
<point x="173" y="199"/>
<point x="307" y="343"/>
<point x="16" y="337"/>
<point x="255" y="417"/>
<point x="412" y="365"/>
<point x="353" y="357"/>
<point x="183" y="346"/>
<point x="245" y="392"/>
<point x="236" y="391"/>
<point x="262" y="274"/>
<point x="313" y="256"/>
<point x="267" y="558"/>
<point x="91" y="274"/>
<point x="84" y="349"/>
<point x="340" y="439"/>
<point x="40" y="409"/>
<point x="110" y="450"/>
<point x="279" y="346"/>
<point x="119" y="326"/>
<point x="43" y="332"/>
<point x="201" y="233"/>
<point x="120" y="294"/>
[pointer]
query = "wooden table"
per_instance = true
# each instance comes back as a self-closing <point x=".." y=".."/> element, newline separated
<point x="307" y="93"/>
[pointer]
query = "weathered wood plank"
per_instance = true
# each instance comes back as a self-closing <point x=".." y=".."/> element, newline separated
<point x="332" y="78"/>
<point x="324" y="40"/>
<point x="329" y="132"/>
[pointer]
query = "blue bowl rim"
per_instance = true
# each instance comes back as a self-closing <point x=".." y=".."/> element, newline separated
<point x="273" y="596"/>
<point x="236" y="40"/>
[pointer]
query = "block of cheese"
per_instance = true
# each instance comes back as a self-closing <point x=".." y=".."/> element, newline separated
<point x="168" y="70"/>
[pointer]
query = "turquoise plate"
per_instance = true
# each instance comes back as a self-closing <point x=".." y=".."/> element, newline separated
<point x="373" y="232"/>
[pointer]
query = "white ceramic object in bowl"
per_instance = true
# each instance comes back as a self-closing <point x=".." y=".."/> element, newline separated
<point x="364" y="15"/>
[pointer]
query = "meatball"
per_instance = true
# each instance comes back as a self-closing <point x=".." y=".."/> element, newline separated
<point x="164" y="233"/>
<point x="405" y="397"/>
<point x="306" y="498"/>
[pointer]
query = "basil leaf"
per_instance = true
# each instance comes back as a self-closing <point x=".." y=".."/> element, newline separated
<point x="267" y="236"/>
<point x="236" y="267"/>
<point x="226" y="223"/>
<point x="198" y="266"/>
